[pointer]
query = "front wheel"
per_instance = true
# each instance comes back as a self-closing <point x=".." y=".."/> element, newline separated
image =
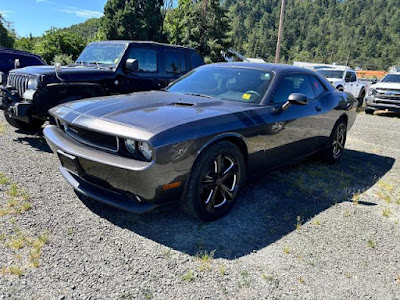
<point x="369" y="111"/>
<point x="361" y="98"/>
<point x="31" y="126"/>
<point x="214" y="182"/>
<point x="335" y="148"/>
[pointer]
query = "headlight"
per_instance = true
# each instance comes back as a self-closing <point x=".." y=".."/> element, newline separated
<point x="146" y="150"/>
<point x="371" y="92"/>
<point x="130" y="146"/>
<point x="33" y="83"/>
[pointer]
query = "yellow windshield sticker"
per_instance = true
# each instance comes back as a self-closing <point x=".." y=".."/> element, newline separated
<point x="246" y="96"/>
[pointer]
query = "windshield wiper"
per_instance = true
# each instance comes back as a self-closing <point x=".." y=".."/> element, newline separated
<point x="199" y="95"/>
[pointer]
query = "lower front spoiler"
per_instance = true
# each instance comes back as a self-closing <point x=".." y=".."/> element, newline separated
<point x="106" y="196"/>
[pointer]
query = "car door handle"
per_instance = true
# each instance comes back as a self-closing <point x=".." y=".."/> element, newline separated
<point x="318" y="108"/>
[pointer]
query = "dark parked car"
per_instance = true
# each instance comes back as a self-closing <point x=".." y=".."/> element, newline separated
<point x="195" y="142"/>
<point x="103" y="68"/>
<point x="11" y="58"/>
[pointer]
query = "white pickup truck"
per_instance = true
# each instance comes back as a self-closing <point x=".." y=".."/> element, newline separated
<point x="345" y="79"/>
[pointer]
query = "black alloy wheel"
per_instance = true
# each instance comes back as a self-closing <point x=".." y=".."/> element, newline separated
<point x="339" y="140"/>
<point x="214" y="182"/>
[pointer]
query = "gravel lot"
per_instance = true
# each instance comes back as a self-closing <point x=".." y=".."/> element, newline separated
<point x="310" y="231"/>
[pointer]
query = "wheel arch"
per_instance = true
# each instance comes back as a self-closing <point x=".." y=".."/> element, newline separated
<point x="237" y="139"/>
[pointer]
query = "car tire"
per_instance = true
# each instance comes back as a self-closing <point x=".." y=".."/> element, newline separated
<point x="214" y="182"/>
<point x="335" y="147"/>
<point x="361" y="98"/>
<point x="369" y="111"/>
<point x="32" y="126"/>
<point x="340" y="88"/>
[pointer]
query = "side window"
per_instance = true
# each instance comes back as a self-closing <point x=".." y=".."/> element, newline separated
<point x="175" y="62"/>
<point x="348" y="76"/>
<point x="353" y="77"/>
<point x="317" y="86"/>
<point x="293" y="84"/>
<point x="196" y="60"/>
<point x="147" y="59"/>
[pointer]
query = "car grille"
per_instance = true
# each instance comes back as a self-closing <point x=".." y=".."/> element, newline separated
<point x="19" y="82"/>
<point x="388" y="97"/>
<point x="92" y="138"/>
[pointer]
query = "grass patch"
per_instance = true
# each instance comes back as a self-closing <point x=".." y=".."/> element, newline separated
<point x="286" y="250"/>
<point x="386" y="212"/>
<point x="371" y="244"/>
<point x="3" y="128"/>
<point x="188" y="276"/>
<point x="13" y="270"/>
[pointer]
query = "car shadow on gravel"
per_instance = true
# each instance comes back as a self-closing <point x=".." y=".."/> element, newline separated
<point x="36" y="141"/>
<point x="270" y="207"/>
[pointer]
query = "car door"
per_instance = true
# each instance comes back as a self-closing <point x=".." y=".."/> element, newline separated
<point x="146" y="78"/>
<point x="347" y="84"/>
<point x="292" y="133"/>
<point x="353" y="84"/>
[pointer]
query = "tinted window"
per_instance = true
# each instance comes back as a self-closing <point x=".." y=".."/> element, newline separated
<point x="147" y="59"/>
<point x="196" y="60"/>
<point x="317" y="86"/>
<point x="175" y="62"/>
<point x="348" y="76"/>
<point x="102" y="53"/>
<point x="293" y="84"/>
<point x="353" y="77"/>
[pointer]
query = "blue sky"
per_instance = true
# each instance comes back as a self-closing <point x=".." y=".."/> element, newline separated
<point x="37" y="16"/>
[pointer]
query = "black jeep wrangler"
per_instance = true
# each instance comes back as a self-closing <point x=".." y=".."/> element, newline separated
<point x="103" y="68"/>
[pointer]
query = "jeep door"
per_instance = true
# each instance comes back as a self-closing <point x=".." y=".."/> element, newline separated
<point x="175" y="64"/>
<point x="146" y="77"/>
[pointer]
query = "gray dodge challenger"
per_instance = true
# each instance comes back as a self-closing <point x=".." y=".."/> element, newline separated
<point x="194" y="142"/>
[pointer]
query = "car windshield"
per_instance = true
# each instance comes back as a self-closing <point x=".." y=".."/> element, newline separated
<point x="391" y="78"/>
<point x="227" y="83"/>
<point x="102" y="53"/>
<point x="331" y="73"/>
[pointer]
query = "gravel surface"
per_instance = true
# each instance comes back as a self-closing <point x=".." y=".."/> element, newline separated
<point x="310" y="231"/>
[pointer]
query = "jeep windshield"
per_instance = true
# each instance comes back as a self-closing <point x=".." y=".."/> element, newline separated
<point x="391" y="78"/>
<point x="102" y="54"/>
<point x="331" y="73"/>
<point x="232" y="84"/>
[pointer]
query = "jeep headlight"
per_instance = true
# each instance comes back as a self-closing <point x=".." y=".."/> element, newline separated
<point x="371" y="92"/>
<point x="33" y="83"/>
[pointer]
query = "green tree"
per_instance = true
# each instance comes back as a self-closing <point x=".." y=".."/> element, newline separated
<point x="133" y="20"/>
<point x="6" y="39"/>
<point x="56" y="42"/>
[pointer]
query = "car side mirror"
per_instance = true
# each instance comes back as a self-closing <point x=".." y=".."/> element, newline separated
<point x="16" y="63"/>
<point x="132" y="64"/>
<point x="296" y="99"/>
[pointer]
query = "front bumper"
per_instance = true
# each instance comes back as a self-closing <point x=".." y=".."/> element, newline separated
<point x="382" y="104"/>
<point x="17" y="107"/>
<point x="121" y="182"/>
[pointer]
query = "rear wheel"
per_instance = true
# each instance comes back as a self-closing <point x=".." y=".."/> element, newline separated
<point x="215" y="181"/>
<point x="335" y="148"/>
<point x="33" y="125"/>
<point x="361" y="98"/>
<point x="340" y="88"/>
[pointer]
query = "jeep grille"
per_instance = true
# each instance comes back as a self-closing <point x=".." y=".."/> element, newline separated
<point x="19" y="82"/>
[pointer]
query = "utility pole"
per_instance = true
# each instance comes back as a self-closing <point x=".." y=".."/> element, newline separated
<point x="278" y="43"/>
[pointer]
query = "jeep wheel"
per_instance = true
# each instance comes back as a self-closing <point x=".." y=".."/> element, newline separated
<point x="369" y="111"/>
<point x="33" y="126"/>
<point x="340" y="88"/>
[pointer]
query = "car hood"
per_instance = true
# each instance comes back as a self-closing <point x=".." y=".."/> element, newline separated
<point x="146" y="112"/>
<point x="66" y="72"/>
<point x="386" y="85"/>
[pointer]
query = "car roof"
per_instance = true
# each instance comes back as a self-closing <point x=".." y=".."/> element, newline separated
<point x="261" y="66"/>
<point x="18" y="52"/>
<point x="143" y="43"/>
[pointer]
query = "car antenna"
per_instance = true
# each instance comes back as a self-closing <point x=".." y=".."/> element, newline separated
<point x="57" y="67"/>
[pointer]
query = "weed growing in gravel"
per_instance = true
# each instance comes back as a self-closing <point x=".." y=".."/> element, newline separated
<point x="371" y="244"/>
<point x="286" y="249"/>
<point x="386" y="185"/>
<point x="3" y="128"/>
<point x="355" y="198"/>
<point x="386" y="212"/>
<point x="302" y="280"/>
<point x="205" y="259"/>
<point x="299" y="220"/>
<point x="13" y="270"/>
<point x="36" y="249"/>
<point x="188" y="276"/>
<point x="385" y="197"/>
<point x="13" y="191"/>
<point x="317" y="222"/>
<point x="3" y="179"/>
<point x="245" y="281"/>
<point x="347" y="213"/>
<point x="222" y="270"/>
